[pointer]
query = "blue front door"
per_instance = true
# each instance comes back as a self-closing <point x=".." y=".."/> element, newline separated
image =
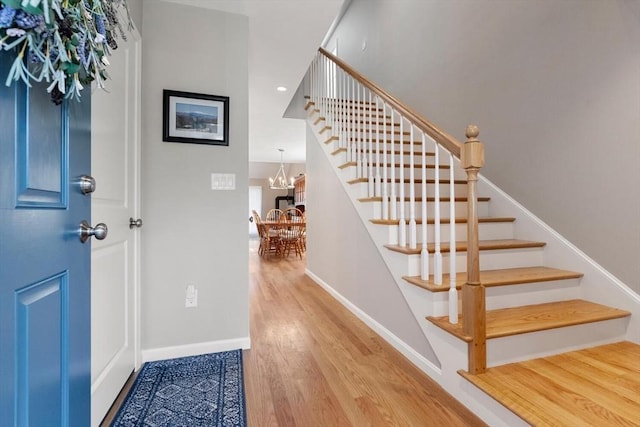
<point x="45" y="372"/>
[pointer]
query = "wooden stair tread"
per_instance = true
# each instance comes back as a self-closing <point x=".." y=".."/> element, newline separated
<point x="367" y="121"/>
<point x="594" y="386"/>
<point x="407" y="181"/>
<point x="396" y="165"/>
<point x="503" y="277"/>
<point x="419" y="199"/>
<point x="444" y="221"/>
<point x="382" y="152"/>
<point x="331" y="139"/>
<point x="485" y="245"/>
<point x="395" y="142"/>
<point x="538" y="317"/>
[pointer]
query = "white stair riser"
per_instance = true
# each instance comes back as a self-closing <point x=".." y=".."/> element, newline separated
<point x="394" y="172"/>
<point x="364" y="142"/>
<point x="554" y="341"/>
<point x="460" y="207"/>
<point x="532" y="293"/>
<point x="366" y="148"/>
<point x="490" y="260"/>
<point x="514" y="295"/>
<point x="487" y="231"/>
<point x="417" y="173"/>
<point x="370" y="151"/>
<point x="460" y="189"/>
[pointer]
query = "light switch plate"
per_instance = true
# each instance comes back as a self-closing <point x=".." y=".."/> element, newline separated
<point x="223" y="181"/>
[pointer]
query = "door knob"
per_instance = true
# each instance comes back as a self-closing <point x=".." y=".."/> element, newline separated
<point x="87" y="184"/>
<point x="86" y="231"/>
<point x="135" y="223"/>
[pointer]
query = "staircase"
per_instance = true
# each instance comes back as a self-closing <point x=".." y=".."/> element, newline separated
<point x="487" y="292"/>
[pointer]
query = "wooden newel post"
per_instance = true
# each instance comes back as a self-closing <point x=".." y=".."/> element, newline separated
<point x="473" y="294"/>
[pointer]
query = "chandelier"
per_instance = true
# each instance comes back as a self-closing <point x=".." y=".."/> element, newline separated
<point x="280" y="181"/>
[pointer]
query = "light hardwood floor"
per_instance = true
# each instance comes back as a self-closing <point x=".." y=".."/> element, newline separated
<point x="598" y="386"/>
<point x="313" y="363"/>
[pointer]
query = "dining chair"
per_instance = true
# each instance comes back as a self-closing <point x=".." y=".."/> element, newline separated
<point x="291" y="238"/>
<point x="293" y="214"/>
<point x="274" y="215"/>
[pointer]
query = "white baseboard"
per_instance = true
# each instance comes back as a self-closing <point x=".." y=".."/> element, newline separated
<point x="173" y="352"/>
<point x="407" y="351"/>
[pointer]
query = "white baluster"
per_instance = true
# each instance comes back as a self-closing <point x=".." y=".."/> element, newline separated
<point x="317" y="84"/>
<point x="385" y="184"/>
<point x="354" y="157"/>
<point x="334" y="100"/>
<point x="330" y="110"/>
<point x="323" y="85"/>
<point x="325" y="91"/>
<point x="339" y="101"/>
<point x="413" y="243"/>
<point x="348" y="127"/>
<point x="336" y="105"/>
<point x="371" y="187"/>
<point x="359" y="165"/>
<point x="437" y="256"/>
<point x="336" y="109"/>
<point x="339" y="105"/>
<point x="402" y="221"/>
<point x="453" y="291"/>
<point x="343" y="114"/>
<point x="392" y="167"/>
<point x="378" y="187"/>
<point x="424" y="253"/>
<point x="311" y="79"/>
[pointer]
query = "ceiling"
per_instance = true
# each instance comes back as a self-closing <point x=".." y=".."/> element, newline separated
<point x="283" y="38"/>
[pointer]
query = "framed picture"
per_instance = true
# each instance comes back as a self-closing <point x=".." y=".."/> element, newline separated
<point x="195" y="118"/>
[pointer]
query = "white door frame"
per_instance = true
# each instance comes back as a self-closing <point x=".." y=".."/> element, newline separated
<point x="109" y="377"/>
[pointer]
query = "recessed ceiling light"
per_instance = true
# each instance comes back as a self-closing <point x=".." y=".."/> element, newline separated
<point x="281" y="89"/>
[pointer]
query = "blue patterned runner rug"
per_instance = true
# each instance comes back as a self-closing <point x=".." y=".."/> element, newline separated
<point x="205" y="390"/>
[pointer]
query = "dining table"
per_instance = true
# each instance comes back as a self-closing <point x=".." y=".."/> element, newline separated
<point x="275" y="230"/>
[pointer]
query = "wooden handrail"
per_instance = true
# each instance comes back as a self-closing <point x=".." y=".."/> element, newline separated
<point x="441" y="137"/>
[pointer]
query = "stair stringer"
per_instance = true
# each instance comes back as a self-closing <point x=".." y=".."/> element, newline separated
<point x="597" y="284"/>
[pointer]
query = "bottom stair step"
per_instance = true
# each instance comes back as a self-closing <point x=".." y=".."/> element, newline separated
<point x="539" y="317"/>
<point x="597" y="386"/>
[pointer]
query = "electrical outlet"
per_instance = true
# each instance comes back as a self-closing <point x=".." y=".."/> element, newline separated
<point x="191" y="299"/>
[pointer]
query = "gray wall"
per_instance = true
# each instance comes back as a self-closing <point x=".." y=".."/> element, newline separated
<point x="340" y="252"/>
<point x="135" y="10"/>
<point x="554" y="87"/>
<point x="191" y="233"/>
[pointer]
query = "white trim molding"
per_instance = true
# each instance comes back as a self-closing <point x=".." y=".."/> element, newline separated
<point x="163" y="353"/>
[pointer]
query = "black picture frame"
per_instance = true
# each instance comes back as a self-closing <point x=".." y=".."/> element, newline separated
<point x="195" y="118"/>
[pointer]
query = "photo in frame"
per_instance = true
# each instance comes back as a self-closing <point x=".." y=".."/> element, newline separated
<point x="195" y="118"/>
